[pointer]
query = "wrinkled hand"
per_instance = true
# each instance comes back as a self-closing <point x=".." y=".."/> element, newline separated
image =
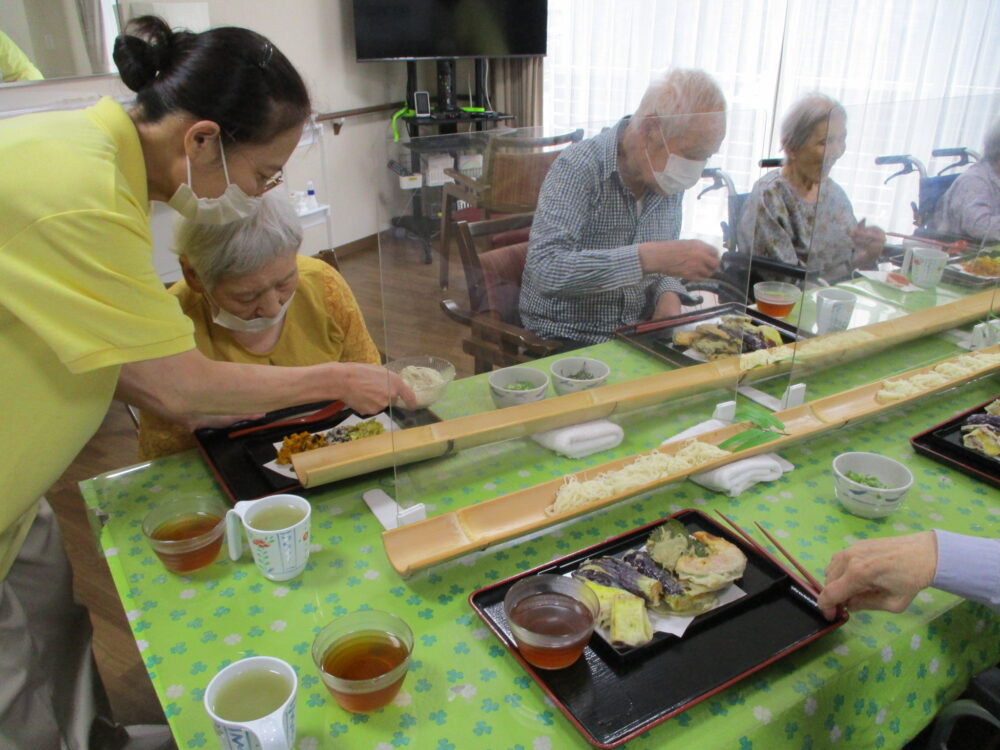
<point x="870" y="241"/>
<point x="880" y="573"/>
<point x="684" y="259"/>
<point x="369" y="388"/>
<point x="667" y="305"/>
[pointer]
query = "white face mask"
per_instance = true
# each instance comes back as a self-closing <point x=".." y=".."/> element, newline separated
<point x="678" y="174"/>
<point x="226" y="319"/>
<point x="232" y="205"/>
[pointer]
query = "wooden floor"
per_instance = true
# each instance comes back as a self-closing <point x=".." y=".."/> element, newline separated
<point x="412" y="324"/>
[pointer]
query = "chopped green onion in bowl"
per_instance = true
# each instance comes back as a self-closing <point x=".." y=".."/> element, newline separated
<point x="867" y="480"/>
<point x="520" y="385"/>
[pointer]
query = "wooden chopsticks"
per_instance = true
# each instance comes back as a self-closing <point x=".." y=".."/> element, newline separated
<point x="331" y="409"/>
<point x="813" y="585"/>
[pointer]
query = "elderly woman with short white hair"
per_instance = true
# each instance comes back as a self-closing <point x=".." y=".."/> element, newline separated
<point x="254" y="299"/>
<point x="971" y="207"/>
<point x="800" y="216"/>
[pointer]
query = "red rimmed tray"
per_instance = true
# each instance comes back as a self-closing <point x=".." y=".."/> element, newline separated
<point x="611" y="697"/>
<point x="943" y="443"/>
<point x="656" y="336"/>
<point x="238" y="462"/>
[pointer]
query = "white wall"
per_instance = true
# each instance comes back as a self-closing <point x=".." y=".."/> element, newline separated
<point x="318" y="37"/>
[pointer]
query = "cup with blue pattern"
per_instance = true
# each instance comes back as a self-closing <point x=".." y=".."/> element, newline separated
<point x="252" y="704"/>
<point x="277" y="529"/>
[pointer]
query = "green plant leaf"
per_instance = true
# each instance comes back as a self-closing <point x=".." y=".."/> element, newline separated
<point x="748" y="439"/>
<point x="760" y="416"/>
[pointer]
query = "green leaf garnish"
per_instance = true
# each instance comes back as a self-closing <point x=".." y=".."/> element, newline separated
<point x="760" y="416"/>
<point x="748" y="439"/>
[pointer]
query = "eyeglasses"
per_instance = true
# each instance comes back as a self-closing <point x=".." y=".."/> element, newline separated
<point x="272" y="183"/>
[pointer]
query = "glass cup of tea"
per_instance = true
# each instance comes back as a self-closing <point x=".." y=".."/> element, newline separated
<point x="776" y="298"/>
<point x="363" y="658"/>
<point x="551" y="618"/>
<point x="186" y="532"/>
<point x="251" y="703"/>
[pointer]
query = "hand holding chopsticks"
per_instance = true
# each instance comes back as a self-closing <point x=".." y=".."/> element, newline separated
<point x="880" y="573"/>
<point x="811" y="584"/>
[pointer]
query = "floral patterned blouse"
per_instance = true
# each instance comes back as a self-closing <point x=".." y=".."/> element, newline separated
<point x="777" y="223"/>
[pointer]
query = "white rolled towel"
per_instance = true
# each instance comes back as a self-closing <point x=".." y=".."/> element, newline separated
<point x="734" y="478"/>
<point x="579" y="440"/>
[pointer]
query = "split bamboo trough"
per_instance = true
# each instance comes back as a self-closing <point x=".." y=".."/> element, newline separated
<point x="335" y="462"/>
<point x="435" y="540"/>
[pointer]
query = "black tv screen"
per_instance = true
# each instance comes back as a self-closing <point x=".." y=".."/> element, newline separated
<point x="442" y="29"/>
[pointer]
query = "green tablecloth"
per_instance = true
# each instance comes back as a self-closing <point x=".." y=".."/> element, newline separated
<point x="873" y="683"/>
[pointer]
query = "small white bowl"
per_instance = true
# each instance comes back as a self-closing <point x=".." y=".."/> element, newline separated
<point x="430" y="394"/>
<point x="561" y="369"/>
<point x="502" y="395"/>
<point x="865" y="501"/>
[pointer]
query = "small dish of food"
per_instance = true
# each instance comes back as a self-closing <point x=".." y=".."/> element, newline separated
<point x="573" y="374"/>
<point x="513" y="386"/>
<point x="427" y="376"/>
<point x="727" y="336"/>
<point x="870" y="485"/>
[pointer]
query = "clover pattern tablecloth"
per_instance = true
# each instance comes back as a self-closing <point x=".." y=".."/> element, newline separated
<point x="873" y="683"/>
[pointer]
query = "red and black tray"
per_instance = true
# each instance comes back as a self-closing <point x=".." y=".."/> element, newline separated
<point x="656" y="337"/>
<point x="611" y="696"/>
<point x="238" y="462"/>
<point x="943" y="443"/>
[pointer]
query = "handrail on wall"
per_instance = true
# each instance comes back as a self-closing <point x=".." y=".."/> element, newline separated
<point x="337" y="118"/>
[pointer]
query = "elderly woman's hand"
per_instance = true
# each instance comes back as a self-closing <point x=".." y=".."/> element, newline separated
<point x="870" y="241"/>
<point x="369" y="388"/>
<point x="880" y="573"/>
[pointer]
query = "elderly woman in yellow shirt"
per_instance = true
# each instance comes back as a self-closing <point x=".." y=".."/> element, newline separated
<point x="254" y="299"/>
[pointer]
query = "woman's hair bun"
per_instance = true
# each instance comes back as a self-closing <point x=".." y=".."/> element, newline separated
<point x="143" y="50"/>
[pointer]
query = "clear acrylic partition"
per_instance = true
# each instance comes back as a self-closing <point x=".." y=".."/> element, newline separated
<point x="885" y="292"/>
<point x="589" y="289"/>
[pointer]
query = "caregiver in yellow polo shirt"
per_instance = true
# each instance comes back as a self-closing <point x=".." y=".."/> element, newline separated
<point x="252" y="298"/>
<point x="82" y="312"/>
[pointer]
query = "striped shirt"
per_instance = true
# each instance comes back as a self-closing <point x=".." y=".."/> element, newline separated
<point x="583" y="278"/>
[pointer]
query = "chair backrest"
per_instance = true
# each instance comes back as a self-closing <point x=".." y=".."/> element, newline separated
<point x="493" y="277"/>
<point x="515" y="167"/>
<point x="929" y="192"/>
<point x="502" y="272"/>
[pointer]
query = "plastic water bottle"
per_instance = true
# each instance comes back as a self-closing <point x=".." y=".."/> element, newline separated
<point x="311" y="204"/>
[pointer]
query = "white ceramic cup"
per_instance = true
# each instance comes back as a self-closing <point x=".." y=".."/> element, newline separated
<point x="272" y="731"/>
<point x="280" y="553"/>
<point x="834" y="308"/>
<point x="924" y="265"/>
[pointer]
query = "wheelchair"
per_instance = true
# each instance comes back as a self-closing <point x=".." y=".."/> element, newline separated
<point x="740" y="269"/>
<point x="930" y="188"/>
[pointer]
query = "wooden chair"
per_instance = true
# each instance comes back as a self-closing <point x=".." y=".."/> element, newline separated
<point x="496" y="337"/>
<point x="514" y="168"/>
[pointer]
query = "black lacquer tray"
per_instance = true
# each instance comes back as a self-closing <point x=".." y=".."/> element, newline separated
<point x="612" y="696"/>
<point x="238" y="463"/>
<point x="943" y="443"/>
<point x="656" y="336"/>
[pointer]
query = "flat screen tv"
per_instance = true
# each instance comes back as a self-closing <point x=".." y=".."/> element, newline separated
<point x="445" y="29"/>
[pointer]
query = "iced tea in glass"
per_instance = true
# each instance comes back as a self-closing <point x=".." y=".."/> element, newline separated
<point x="363" y="658"/>
<point x="551" y="618"/>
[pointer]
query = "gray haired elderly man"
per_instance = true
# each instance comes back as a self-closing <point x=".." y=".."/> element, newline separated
<point x="604" y="248"/>
<point x="971" y="207"/>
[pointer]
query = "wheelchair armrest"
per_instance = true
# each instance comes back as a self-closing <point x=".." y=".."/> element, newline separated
<point x="454" y="311"/>
<point x="788" y="269"/>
